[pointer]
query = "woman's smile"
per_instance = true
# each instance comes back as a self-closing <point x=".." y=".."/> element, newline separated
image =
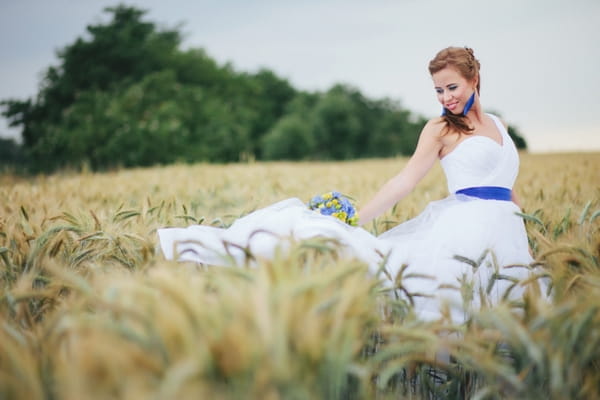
<point x="452" y="106"/>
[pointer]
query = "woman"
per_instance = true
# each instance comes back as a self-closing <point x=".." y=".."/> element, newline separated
<point x="468" y="240"/>
<point x="455" y="250"/>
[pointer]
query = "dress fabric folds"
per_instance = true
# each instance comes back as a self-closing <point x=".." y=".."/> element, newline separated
<point x="455" y="249"/>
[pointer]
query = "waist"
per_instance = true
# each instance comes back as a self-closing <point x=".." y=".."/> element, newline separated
<point x="487" y="192"/>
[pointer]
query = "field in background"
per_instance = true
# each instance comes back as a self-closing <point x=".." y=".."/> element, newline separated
<point x="91" y="309"/>
<point x="552" y="182"/>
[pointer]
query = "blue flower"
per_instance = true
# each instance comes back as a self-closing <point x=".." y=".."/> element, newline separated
<point x="335" y="204"/>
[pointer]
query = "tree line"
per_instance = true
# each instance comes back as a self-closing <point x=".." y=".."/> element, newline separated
<point x="127" y="95"/>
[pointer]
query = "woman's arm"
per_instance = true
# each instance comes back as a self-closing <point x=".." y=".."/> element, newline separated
<point x="515" y="199"/>
<point x="425" y="155"/>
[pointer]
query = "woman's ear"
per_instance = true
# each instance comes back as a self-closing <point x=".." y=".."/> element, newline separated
<point x="476" y="83"/>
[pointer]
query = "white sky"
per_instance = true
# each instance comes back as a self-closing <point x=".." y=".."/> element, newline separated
<point x="540" y="58"/>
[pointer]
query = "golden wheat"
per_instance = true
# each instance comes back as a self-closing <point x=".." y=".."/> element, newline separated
<point x="90" y="309"/>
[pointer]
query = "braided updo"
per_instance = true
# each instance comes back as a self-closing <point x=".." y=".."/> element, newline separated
<point x="464" y="61"/>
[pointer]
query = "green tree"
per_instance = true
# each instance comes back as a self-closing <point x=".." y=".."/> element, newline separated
<point x="115" y="54"/>
<point x="10" y="153"/>
<point x="517" y="137"/>
<point x="291" y="138"/>
<point x="337" y="125"/>
<point x="267" y="96"/>
<point x="126" y="95"/>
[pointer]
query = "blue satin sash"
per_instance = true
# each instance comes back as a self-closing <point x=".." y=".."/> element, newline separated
<point x="487" y="192"/>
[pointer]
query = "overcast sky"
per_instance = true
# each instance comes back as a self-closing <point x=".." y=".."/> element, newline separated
<point x="540" y="58"/>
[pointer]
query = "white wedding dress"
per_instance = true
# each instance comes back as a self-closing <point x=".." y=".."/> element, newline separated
<point x="488" y="236"/>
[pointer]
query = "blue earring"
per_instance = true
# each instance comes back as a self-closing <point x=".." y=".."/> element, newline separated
<point x="467" y="106"/>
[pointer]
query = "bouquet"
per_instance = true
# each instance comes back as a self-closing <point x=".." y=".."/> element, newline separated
<point x="336" y="205"/>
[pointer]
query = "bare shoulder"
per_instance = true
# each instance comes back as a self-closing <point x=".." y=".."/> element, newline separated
<point x="433" y="128"/>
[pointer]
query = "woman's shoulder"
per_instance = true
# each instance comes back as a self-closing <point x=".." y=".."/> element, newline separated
<point x="434" y="127"/>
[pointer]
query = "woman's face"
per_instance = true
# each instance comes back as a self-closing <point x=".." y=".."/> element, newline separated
<point x="453" y="90"/>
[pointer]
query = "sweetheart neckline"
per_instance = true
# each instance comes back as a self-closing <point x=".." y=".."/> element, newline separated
<point x="473" y="137"/>
<point x="501" y="130"/>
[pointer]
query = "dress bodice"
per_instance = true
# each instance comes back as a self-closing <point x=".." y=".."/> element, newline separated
<point x="481" y="161"/>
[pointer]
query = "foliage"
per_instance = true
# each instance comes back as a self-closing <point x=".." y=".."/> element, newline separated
<point x="290" y="138"/>
<point x="342" y="124"/>
<point x="10" y="153"/>
<point x="125" y="94"/>
<point x="516" y="136"/>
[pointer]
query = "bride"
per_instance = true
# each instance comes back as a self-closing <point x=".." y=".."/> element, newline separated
<point x="472" y="239"/>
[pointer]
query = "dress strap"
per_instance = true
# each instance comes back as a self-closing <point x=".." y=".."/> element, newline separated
<point x="500" y="126"/>
<point x="487" y="192"/>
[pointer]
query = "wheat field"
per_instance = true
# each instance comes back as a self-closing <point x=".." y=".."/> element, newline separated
<point x="91" y="309"/>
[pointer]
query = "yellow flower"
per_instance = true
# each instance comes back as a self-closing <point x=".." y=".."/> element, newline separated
<point x="353" y="221"/>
